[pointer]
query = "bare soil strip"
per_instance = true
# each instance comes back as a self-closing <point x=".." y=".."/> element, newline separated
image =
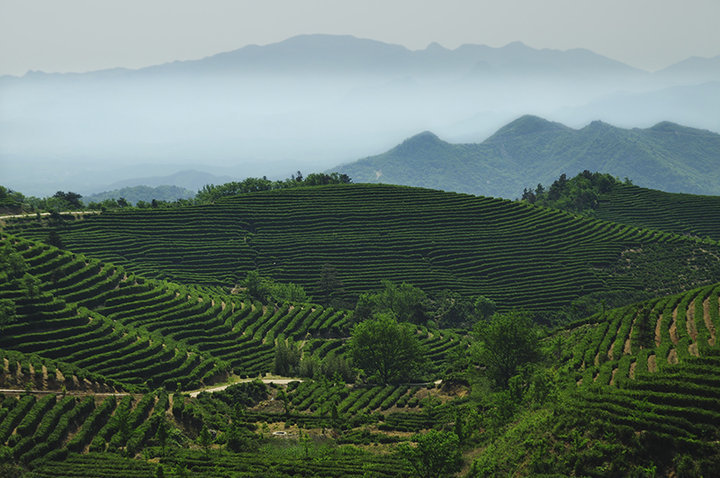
<point x="673" y="327"/>
<point x="651" y="364"/>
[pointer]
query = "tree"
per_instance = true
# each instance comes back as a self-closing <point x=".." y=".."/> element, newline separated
<point x="437" y="454"/>
<point x="7" y="312"/>
<point x="506" y="342"/>
<point x="329" y="283"/>
<point x="404" y="301"/>
<point x="204" y="439"/>
<point x="287" y="358"/>
<point x="387" y="351"/>
<point x="287" y="292"/>
<point x="255" y="285"/>
<point x="70" y="198"/>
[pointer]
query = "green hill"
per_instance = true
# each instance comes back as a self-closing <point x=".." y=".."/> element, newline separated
<point x="626" y="391"/>
<point x="688" y="214"/>
<point x="644" y="396"/>
<point x="604" y="197"/>
<point x="516" y="254"/>
<point x="667" y="156"/>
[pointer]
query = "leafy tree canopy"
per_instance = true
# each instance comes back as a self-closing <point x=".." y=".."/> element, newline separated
<point x="437" y="454"/>
<point x="388" y="351"/>
<point x="504" y="344"/>
<point x="404" y="301"/>
<point x="264" y="288"/>
<point x="579" y="194"/>
<point x="211" y="192"/>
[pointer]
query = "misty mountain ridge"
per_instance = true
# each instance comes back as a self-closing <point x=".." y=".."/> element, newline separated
<point x="532" y="150"/>
<point x="189" y="179"/>
<point x="324" y="53"/>
<point x="134" y="194"/>
<point x="313" y="101"/>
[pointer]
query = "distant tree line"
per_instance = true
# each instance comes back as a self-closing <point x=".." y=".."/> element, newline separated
<point x="210" y="192"/>
<point x="13" y="202"/>
<point x="579" y="194"/>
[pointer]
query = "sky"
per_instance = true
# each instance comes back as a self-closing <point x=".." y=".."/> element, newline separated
<point x="86" y="35"/>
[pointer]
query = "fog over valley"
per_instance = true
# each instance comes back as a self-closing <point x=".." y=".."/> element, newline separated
<point x="313" y="102"/>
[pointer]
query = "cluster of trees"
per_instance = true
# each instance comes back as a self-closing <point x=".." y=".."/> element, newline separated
<point x="265" y="289"/>
<point x="408" y="303"/>
<point x="14" y="202"/>
<point x="210" y="193"/>
<point x="579" y="194"/>
<point x="289" y="361"/>
<point x="13" y="274"/>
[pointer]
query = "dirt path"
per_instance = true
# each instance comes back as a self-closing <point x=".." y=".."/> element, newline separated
<point x="34" y="214"/>
<point x="275" y="380"/>
<point x="673" y="327"/>
<point x="59" y="392"/>
<point x="658" y="331"/>
<point x="672" y="357"/>
<point x="631" y="373"/>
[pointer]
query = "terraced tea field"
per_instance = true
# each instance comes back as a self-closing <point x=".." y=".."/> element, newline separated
<point x="645" y="338"/>
<point x="672" y="212"/>
<point x="518" y="255"/>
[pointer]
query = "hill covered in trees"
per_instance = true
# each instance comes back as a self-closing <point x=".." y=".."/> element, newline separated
<point x="667" y="156"/>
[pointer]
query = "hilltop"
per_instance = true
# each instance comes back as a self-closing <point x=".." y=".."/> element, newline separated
<point x="604" y="197"/>
<point x="666" y="156"/>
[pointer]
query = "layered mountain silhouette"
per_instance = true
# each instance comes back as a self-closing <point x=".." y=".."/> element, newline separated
<point x="313" y="101"/>
<point x="667" y="156"/>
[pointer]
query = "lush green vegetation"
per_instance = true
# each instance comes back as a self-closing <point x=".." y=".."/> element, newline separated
<point x="604" y="197"/>
<point x="425" y="364"/>
<point x="141" y="196"/>
<point x="667" y="156"/>
<point x="517" y="255"/>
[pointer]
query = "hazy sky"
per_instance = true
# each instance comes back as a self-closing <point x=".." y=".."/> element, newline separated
<point x="82" y="35"/>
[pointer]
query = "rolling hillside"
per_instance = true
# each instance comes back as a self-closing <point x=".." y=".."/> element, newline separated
<point x="679" y="213"/>
<point x="100" y="347"/>
<point x="667" y="156"/>
<point x="518" y="255"/>
<point x="643" y="394"/>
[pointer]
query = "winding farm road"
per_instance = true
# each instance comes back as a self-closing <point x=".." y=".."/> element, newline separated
<point x="275" y="380"/>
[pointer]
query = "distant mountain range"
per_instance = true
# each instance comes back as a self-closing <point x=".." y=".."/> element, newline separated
<point x="189" y="179"/>
<point x="312" y="101"/>
<point x="532" y="150"/>
<point x="134" y="194"/>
